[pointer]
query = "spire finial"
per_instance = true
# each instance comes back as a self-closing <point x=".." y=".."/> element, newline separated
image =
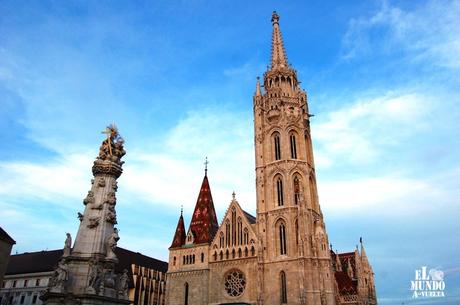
<point x="275" y="17"/>
<point x="233" y="195"/>
<point x="181" y="209"/>
<point x="361" y="241"/>
<point x="206" y="162"/>
<point x="279" y="58"/>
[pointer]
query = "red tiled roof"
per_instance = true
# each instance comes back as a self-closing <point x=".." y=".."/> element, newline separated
<point x="345" y="283"/>
<point x="204" y="221"/>
<point x="179" y="236"/>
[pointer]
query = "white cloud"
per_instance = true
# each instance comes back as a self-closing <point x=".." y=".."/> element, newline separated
<point x="431" y="31"/>
<point x="63" y="177"/>
<point x="360" y="132"/>
<point x="168" y="176"/>
<point x="391" y="194"/>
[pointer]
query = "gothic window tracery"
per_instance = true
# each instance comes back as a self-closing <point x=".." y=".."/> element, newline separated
<point x="296" y="190"/>
<point x="277" y="146"/>
<point x="279" y="191"/>
<point x="186" y="294"/>
<point x="283" y="288"/>
<point x="235" y="282"/>
<point x="281" y="226"/>
<point x="292" y="139"/>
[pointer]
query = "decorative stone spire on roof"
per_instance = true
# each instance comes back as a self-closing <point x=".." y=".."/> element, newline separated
<point x="258" y="91"/>
<point x="279" y="58"/>
<point x="204" y="221"/>
<point x="179" y="236"/>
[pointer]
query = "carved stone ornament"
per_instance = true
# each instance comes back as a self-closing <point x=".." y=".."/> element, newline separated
<point x="111" y="244"/>
<point x="60" y="277"/>
<point x="111" y="216"/>
<point x="95" y="277"/>
<point x="101" y="182"/>
<point x="80" y="216"/>
<point x="111" y="198"/>
<point x="93" y="222"/>
<point x="67" y="245"/>
<point x="89" y="198"/>
<point x="123" y="285"/>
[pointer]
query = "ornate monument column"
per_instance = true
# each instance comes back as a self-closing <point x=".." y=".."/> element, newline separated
<point x="86" y="273"/>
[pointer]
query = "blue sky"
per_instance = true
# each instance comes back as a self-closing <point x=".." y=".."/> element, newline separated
<point x="178" y="77"/>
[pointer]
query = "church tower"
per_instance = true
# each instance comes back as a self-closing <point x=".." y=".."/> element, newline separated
<point x="296" y="262"/>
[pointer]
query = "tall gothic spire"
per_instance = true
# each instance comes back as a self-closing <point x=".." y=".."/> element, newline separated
<point x="204" y="221"/>
<point x="279" y="58"/>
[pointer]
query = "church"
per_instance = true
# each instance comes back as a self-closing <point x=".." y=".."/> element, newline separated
<point x="281" y="256"/>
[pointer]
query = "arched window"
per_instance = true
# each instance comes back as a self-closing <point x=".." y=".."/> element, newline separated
<point x="233" y="226"/>
<point x="277" y="144"/>
<point x="186" y="294"/>
<point x="174" y="261"/>
<point x="293" y="146"/>
<point x="282" y="239"/>
<point x="240" y="232"/>
<point x="221" y="239"/>
<point x="296" y="191"/>
<point x="202" y="257"/>
<point x="279" y="191"/>
<point x="245" y="236"/>
<point x="227" y="233"/>
<point x="283" y="288"/>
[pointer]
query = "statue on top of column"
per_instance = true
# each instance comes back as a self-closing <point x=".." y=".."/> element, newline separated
<point x="112" y="148"/>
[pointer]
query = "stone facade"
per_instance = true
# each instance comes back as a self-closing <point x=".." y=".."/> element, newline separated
<point x="282" y="256"/>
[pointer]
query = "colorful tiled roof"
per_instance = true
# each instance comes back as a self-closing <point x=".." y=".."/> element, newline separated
<point x="204" y="221"/>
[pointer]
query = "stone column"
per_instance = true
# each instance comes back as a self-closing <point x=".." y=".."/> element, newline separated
<point x="86" y="273"/>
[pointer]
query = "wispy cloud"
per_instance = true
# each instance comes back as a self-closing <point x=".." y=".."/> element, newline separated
<point x="429" y="32"/>
<point x="361" y="132"/>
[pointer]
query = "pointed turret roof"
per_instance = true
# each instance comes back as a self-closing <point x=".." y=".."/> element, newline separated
<point x="279" y="58"/>
<point x="204" y="221"/>
<point x="179" y="236"/>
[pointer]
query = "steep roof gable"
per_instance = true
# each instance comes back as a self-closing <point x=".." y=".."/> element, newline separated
<point x="236" y="236"/>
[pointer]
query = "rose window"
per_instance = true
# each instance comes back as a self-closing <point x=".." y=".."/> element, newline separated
<point x="235" y="282"/>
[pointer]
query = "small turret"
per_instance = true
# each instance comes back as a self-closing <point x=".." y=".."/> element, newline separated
<point x="179" y="236"/>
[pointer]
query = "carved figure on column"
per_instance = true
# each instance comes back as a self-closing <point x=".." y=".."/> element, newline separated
<point x="95" y="277"/>
<point x="111" y="215"/>
<point x="123" y="285"/>
<point x="60" y="277"/>
<point x="67" y="245"/>
<point x="111" y="244"/>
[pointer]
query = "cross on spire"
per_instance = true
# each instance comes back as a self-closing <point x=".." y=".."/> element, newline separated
<point x="206" y="162"/>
